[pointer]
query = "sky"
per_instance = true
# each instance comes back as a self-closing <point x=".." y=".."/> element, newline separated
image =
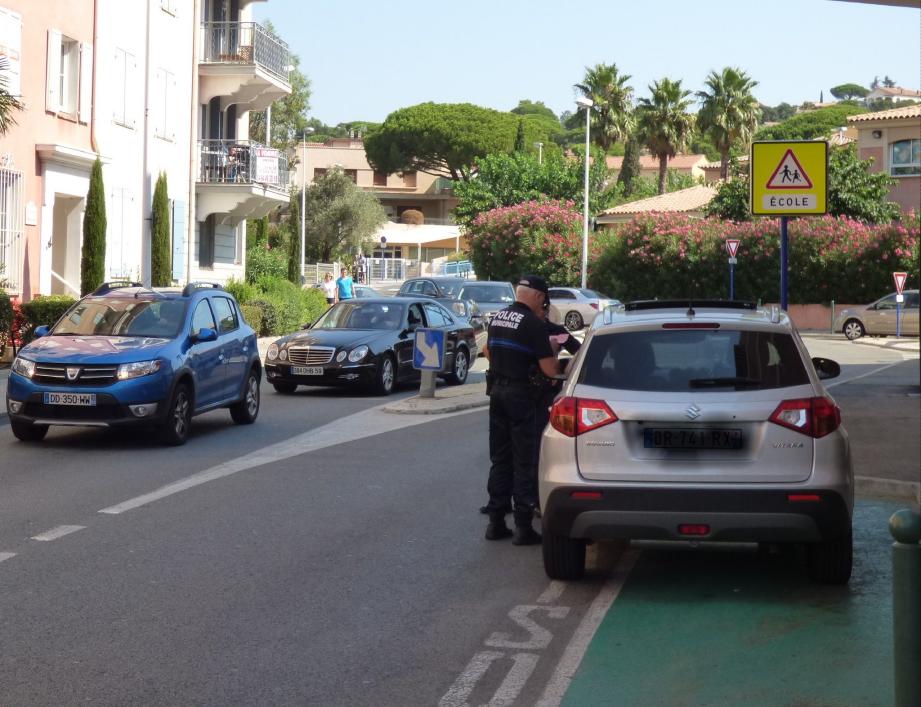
<point x="366" y="58"/>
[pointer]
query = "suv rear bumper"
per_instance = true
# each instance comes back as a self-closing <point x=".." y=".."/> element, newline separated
<point x="763" y="515"/>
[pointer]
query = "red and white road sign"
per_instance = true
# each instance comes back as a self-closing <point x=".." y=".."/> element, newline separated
<point x="732" y="245"/>
<point x="900" y="278"/>
<point x="789" y="174"/>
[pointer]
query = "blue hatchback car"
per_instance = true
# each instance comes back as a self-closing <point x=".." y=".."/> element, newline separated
<point x="131" y="355"/>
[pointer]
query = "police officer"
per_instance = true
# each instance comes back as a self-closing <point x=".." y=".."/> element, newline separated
<point x="516" y="341"/>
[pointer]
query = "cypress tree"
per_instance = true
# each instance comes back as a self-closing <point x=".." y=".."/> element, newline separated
<point x="630" y="168"/>
<point x="294" y="238"/>
<point x="519" y="136"/>
<point x="93" y="256"/>
<point x="161" y="272"/>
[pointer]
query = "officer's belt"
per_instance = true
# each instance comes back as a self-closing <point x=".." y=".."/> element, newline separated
<point x="506" y="381"/>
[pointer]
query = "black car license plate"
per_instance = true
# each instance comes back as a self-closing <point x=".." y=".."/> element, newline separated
<point x="686" y="438"/>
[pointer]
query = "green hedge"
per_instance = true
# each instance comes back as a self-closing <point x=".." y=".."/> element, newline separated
<point x="6" y="318"/>
<point x="829" y="259"/>
<point x="277" y="305"/>
<point x="43" y="311"/>
<point x="252" y="316"/>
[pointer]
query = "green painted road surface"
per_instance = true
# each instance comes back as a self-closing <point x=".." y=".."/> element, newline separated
<point x="718" y="627"/>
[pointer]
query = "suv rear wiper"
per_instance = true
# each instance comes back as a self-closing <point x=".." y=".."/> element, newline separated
<point x="720" y="382"/>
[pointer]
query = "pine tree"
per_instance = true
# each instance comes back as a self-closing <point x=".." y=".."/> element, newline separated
<point x="630" y="167"/>
<point x="93" y="257"/>
<point x="294" y="239"/>
<point x="161" y="272"/>
<point x="519" y="136"/>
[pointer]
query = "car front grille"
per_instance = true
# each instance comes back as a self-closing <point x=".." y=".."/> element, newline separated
<point x="87" y="375"/>
<point x="310" y="355"/>
<point x="101" y="412"/>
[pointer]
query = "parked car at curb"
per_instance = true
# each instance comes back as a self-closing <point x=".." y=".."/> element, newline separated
<point x="490" y="296"/>
<point x="131" y="355"/>
<point x="575" y="307"/>
<point x="446" y="291"/>
<point x="879" y="317"/>
<point x="706" y="422"/>
<point x="368" y="342"/>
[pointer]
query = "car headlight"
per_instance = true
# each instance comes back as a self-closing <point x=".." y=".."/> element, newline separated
<point x="24" y="367"/>
<point x="272" y="353"/>
<point x="283" y="354"/>
<point x="340" y="357"/>
<point x="127" y="371"/>
<point x="358" y="353"/>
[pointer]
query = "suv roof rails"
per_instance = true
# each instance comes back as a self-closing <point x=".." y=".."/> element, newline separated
<point x="107" y="287"/>
<point x="192" y="286"/>
<point x="689" y="303"/>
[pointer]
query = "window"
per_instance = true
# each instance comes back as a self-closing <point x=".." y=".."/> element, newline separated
<point x="206" y="243"/>
<point x="435" y="316"/>
<point x="911" y="300"/>
<point x="226" y="316"/>
<point x="123" y="88"/>
<point x="561" y="294"/>
<point x="318" y="172"/>
<point x="162" y="104"/>
<point x="69" y="77"/>
<point x="409" y="179"/>
<point x="886" y="303"/>
<point x="202" y="319"/>
<point x="380" y="179"/>
<point x="12" y="213"/>
<point x="352" y="174"/>
<point x="169" y="6"/>
<point x="905" y="158"/>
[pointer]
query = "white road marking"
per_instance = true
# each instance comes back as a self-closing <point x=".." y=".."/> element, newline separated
<point x="6" y="555"/>
<point x="863" y="375"/>
<point x="467" y="680"/>
<point x="575" y="650"/>
<point x="58" y="532"/>
<point x="515" y="680"/>
<point x="347" y="429"/>
<point x="553" y="592"/>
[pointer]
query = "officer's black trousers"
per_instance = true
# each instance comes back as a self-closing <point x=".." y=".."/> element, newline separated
<point x="512" y="452"/>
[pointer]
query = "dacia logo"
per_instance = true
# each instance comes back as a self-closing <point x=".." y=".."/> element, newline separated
<point x="73" y="373"/>
<point x="692" y="413"/>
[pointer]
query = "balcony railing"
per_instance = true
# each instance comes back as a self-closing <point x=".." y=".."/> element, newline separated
<point x="244" y="43"/>
<point x="241" y="162"/>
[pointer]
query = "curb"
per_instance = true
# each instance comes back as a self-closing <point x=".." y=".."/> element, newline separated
<point x="887" y="488"/>
<point x="408" y="406"/>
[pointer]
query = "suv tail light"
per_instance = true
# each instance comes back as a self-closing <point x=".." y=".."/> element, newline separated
<point x="575" y="416"/>
<point x="593" y="305"/>
<point x="815" y="417"/>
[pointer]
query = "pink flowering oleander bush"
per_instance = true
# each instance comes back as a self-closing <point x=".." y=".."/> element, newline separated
<point x="536" y="237"/>
<point x="671" y="256"/>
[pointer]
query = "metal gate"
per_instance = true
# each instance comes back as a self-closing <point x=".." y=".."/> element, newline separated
<point x="11" y="229"/>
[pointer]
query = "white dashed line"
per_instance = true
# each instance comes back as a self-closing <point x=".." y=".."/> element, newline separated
<point x="58" y="532"/>
<point x="6" y="555"/>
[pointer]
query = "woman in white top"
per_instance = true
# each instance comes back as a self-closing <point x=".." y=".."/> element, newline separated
<point x="329" y="288"/>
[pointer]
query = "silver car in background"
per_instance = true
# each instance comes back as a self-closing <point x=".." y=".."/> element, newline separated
<point x="879" y="318"/>
<point x="575" y="307"/>
<point x="703" y="423"/>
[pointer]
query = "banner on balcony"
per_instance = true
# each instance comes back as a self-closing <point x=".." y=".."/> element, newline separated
<point x="266" y="165"/>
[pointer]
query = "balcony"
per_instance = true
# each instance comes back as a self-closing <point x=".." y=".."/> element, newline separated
<point x="244" y="63"/>
<point x="239" y="179"/>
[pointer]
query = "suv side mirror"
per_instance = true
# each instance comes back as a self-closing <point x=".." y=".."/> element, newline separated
<point x="41" y="331"/>
<point x="204" y="334"/>
<point x="826" y="368"/>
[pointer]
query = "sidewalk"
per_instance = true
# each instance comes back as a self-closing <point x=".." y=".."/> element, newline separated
<point x="4" y="376"/>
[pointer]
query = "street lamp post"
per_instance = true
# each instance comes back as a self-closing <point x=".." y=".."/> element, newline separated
<point x="586" y="103"/>
<point x="304" y="198"/>
<point x="540" y="152"/>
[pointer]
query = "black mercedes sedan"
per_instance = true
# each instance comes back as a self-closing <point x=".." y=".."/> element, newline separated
<point x="369" y="342"/>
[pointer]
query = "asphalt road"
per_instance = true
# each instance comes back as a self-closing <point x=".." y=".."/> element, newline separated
<point x="331" y="554"/>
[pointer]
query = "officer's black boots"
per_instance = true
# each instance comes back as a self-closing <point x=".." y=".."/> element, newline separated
<point x="497" y="529"/>
<point x="525" y="535"/>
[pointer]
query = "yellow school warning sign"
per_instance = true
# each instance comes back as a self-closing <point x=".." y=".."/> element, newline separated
<point x="789" y="178"/>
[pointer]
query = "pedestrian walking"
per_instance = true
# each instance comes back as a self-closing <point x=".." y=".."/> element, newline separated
<point x="516" y="341"/>
<point x="344" y="287"/>
<point x="329" y="288"/>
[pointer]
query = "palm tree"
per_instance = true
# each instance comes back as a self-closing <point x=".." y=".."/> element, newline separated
<point x="608" y="90"/>
<point x="664" y="123"/>
<point x="729" y="112"/>
<point x="8" y="102"/>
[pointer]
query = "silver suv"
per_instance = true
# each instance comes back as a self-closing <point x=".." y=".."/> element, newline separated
<point x="696" y="421"/>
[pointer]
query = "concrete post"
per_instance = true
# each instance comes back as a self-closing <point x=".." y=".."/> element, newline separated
<point x="427" y="386"/>
<point x="905" y="527"/>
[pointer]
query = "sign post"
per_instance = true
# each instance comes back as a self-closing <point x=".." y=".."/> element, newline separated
<point x="732" y="247"/>
<point x="900" y="278"/>
<point x="428" y="357"/>
<point x="789" y="179"/>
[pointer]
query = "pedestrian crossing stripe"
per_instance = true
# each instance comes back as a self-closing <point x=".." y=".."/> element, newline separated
<point x="789" y="174"/>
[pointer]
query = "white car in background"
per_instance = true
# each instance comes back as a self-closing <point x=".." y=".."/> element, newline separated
<point x="575" y="308"/>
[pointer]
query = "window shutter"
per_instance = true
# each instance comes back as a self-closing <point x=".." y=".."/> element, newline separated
<point x="178" y="240"/>
<point x="53" y="72"/>
<point x="132" y="90"/>
<point x="86" y="82"/>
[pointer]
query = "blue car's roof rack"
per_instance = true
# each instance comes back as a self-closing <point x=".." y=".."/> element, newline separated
<point x="192" y="286"/>
<point x="107" y="287"/>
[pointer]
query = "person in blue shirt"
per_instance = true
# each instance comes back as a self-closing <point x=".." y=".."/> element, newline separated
<point x="344" y="283"/>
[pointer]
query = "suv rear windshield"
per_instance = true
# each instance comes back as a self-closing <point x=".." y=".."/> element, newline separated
<point x="107" y="316"/>
<point x="680" y="360"/>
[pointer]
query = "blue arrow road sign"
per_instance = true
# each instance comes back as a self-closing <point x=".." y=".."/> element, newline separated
<point x="429" y="349"/>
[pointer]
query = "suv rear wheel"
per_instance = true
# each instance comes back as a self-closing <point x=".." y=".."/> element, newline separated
<point x="27" y="432"/>
<point x="245" y="411"/>
<point x="564" y="558"/>
<point x="829" y="562"/>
